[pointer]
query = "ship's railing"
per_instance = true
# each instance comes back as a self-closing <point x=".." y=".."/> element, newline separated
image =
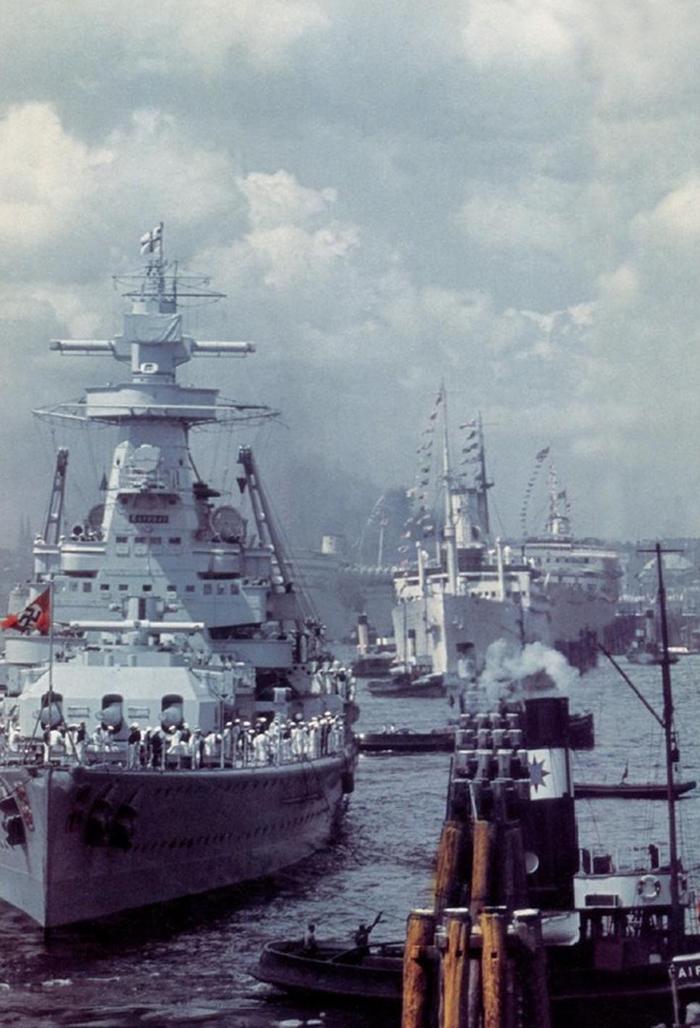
<point x="239" y="745"/>
<point x="600" y="860"/>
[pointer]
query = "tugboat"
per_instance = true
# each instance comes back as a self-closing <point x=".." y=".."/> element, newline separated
<point x="179" y="724"/>
<point x="612" y="923"/>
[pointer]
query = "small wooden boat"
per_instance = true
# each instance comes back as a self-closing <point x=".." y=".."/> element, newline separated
<point x="405" y="740"/>
<point x="441" y="740"/>
<point x="649" y="655"/>
<point x="405" y="683"/>
<point x="630" y="790"/>
<point x="334" y="969"/>
<point x="598" y="987"/>
<point x="373" y="665"/>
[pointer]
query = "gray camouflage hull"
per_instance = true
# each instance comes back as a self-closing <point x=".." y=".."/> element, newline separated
<point x="97" y="842"/>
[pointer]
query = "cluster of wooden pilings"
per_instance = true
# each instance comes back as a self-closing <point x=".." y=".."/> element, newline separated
<point x="477" y="960"/>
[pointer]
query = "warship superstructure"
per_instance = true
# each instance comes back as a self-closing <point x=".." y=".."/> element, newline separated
<point x="174" y="724"/>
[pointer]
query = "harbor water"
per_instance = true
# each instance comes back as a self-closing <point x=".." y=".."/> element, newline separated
<point x="189" y="963"/>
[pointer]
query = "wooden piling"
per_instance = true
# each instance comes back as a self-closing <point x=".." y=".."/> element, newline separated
<point x="455" y="969"/>
<point x="419" y="971"/>
<point x="484" y="836"/>
<point x="449" y="880"/>
<point x="533" y="963"/>
<point x="497" y="978"/>
<point x="475" y="1006"/>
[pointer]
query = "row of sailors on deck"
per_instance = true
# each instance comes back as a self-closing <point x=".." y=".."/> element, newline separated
<point x="240" y="744"/>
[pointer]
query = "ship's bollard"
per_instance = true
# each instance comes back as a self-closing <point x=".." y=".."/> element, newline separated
<point x="450" y="858"/>
<point x="454" y="977"/>
<point x="418" y="971"/>
<point x="496" y="975"/>
<point x="528" y="928"/>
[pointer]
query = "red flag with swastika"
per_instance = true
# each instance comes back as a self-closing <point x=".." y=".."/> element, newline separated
<point x="35" y="616"/>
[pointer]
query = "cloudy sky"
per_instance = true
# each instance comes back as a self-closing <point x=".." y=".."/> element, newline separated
<point x="501" y="193"/>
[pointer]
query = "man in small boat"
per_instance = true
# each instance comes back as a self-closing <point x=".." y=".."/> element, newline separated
<point x="310" y="944"/>
<point x="361" y="936"/>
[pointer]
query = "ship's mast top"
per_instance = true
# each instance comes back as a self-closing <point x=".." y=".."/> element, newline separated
<point x="558" y="521"/>
<point x="153" y="342"/>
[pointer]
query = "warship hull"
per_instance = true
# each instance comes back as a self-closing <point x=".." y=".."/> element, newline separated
<point x="96" y="841"/>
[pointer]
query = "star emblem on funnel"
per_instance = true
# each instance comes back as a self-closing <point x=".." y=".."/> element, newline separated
<point x="537" y="773"/>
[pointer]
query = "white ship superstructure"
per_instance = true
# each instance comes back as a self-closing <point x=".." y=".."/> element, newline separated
<point x="450" y="607"/>
<point x="582" y="581"/>
<point x="180" y="727"/>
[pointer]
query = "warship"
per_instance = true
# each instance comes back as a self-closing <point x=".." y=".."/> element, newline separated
<point x="173" y="724"/>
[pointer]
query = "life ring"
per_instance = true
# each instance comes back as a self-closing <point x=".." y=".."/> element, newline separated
<point x="648" y="887"/>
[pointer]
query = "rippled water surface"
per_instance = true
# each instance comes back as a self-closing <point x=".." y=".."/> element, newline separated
<point x="189" y="964"/>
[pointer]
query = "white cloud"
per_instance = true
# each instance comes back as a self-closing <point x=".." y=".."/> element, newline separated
<point x="504" y="192"/>
<point x="63" y="200"/>
<point x="279" y="199"/>
<point x="538" y="213"/>
<point x="521" y="30"/>
<point x="675" y="219"/>
<point x="289" y="254"/>
<point x="620" y="287"/>
<point x="47" y="177"/>
<point x="173" y="36"/>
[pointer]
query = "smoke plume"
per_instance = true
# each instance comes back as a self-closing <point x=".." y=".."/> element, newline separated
<point x="510" y="674"/>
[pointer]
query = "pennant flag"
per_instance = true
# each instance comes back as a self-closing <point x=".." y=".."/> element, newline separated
<point x="36" y="615"/>
<point x="242" y="481"/>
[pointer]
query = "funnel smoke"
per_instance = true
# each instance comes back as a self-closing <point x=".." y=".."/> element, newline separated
<point x="536" y="669"/>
